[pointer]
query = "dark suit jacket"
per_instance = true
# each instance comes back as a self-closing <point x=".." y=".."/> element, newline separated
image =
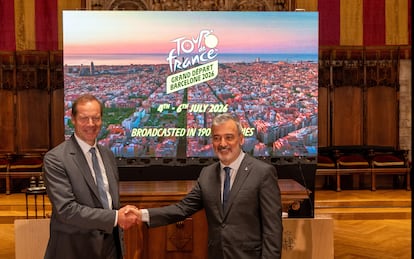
<point x="79" y="223"/>
<point x="250" y="228"/>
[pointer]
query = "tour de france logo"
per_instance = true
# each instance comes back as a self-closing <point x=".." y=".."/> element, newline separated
<point x="192" y="61"/>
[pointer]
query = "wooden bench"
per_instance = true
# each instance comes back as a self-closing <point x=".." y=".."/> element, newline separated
<point x="22" y="166"/>
<point x="4" y="166"/>
<point x="354" y="162"/>
<point x="358" y="160"/>
<point x="326" y="166"/>
<point x="390" y="162"/>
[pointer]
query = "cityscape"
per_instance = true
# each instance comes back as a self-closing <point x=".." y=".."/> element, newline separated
<point x="276" y="101"/>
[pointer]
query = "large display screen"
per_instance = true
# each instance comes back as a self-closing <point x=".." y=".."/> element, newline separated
<point x="163" y="76"/>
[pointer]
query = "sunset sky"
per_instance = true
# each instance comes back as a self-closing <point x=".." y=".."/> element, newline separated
<point x="145" y="32"/>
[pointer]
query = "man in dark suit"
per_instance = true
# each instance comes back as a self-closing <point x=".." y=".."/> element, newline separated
<point x="82" y="185"/>
<point x="249" y="224"/>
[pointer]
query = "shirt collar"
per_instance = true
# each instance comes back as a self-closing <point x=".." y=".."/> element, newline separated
<point x="83" y="145"/>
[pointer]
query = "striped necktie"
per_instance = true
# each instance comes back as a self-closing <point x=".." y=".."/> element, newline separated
<point x="99" y="179"/>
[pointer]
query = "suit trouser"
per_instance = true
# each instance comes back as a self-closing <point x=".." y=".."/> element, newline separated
<point x="112" y="248"/>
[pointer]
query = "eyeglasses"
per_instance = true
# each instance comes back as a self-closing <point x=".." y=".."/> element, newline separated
<point x="85" y="120"/>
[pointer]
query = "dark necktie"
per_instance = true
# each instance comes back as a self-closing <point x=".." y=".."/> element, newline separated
<point x="99" y="179"/>
<point x="226" y="186"/>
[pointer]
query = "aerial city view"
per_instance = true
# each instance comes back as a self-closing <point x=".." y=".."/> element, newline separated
<point x="161" y="104"/>
<point x="277" y="100"/>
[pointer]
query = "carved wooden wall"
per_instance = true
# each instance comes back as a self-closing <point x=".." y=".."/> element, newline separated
<point x="358" y="96"/>
<point x="32" y="104"/>
<point x="7" y="110"/>
<point x="32" y="98"/>
<point x="196" y="5"/>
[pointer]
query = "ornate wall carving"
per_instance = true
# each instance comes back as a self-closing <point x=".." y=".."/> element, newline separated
<point x="359" y="67"/>
<point x="32" y="70"/>
<point x="195" y="5"/>
<point x="7" y="70"/>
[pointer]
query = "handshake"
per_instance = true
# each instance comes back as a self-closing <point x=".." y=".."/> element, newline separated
<point x="128" y="216"/>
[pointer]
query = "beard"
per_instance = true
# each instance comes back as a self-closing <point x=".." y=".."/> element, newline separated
<point x="225" y="154"/>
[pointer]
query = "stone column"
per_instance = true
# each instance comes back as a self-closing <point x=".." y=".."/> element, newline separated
<point x="405" y="137"/>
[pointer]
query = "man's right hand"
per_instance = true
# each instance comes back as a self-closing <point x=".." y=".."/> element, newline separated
<point x="128" y="216"/>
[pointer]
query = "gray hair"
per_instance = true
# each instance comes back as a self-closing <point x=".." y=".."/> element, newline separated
<point x="223" y="117"/>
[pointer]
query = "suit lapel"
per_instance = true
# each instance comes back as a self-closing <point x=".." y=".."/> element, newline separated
<point x="241" y="177"/>
<point x="80" y="161"/>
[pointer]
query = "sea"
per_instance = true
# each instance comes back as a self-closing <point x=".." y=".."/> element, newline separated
<point x="152" y="59"/>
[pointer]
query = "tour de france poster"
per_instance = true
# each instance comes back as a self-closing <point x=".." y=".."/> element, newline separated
<point x="163" y="76"/>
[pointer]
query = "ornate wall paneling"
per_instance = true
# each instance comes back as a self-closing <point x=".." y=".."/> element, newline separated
<point x="192" y="5"/>
<point x="347" y="97"/>
<point x="358" y="96"/>
<point x="7" y="104"/>
<point x="382" y="102"/>
<point x="32" y="101"/>
<point x="324" y="98"/>
<point x="56" y="98"/>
